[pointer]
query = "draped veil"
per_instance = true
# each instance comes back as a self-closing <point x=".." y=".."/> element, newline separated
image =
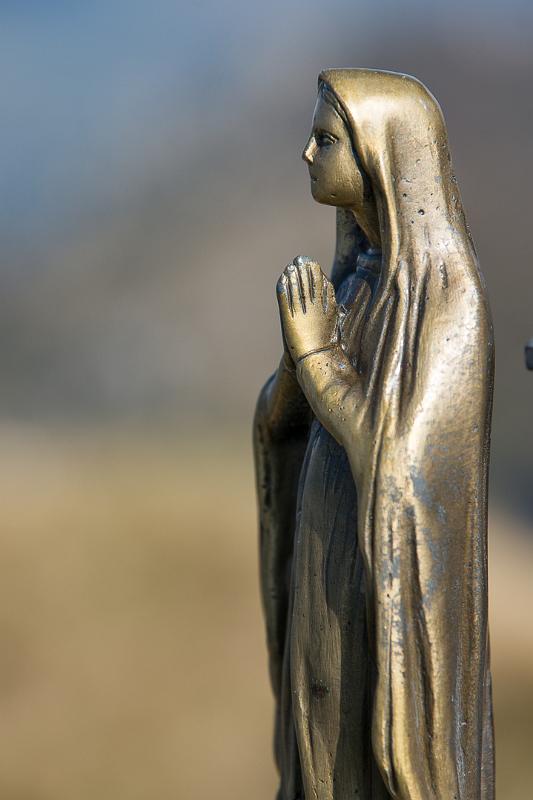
<point x="423" y="348"/>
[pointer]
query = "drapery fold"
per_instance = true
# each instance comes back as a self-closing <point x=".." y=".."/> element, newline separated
<point x="414" y="436"/>
<point x="425" y="356"/>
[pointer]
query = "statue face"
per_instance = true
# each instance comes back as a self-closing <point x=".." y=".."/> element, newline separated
<point x="336" y="179"/>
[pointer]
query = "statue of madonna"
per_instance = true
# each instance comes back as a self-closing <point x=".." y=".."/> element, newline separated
<point x="371" y="448"/>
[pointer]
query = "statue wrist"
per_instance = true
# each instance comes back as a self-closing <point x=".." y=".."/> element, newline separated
<point x="333" y="346"/>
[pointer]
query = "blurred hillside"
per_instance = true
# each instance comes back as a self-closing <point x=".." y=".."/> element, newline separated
<point x="133" y="659"/>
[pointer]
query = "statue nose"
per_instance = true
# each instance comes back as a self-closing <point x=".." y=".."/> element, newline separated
<point x="309" y="151"/>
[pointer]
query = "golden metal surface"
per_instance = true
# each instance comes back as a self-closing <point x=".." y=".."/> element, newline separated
<point x="371" y="446"/>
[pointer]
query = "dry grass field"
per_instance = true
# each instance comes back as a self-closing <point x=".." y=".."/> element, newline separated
<point x="132" y="657"/>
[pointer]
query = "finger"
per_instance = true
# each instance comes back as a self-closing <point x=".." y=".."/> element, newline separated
<point x="282" y="293"/>
<point x="315" y="269"/>
<point x="307" y="277"/>
<point x="289" y="290"/>
<point x="324" y="293"/>
<point x="309" y="270"/>
<point x="296" y="289"/>
<point x="300" y="261"/>
<point x="303" y="286"/>
<point x="328" y="294"/>
<point x="330" y="291"/>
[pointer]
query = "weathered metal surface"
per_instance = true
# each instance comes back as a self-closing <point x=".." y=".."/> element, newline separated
<point x="371" y="446"/>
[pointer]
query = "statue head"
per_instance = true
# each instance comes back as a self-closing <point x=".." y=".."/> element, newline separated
<point x="379" y="147"/>
<point x="337" y="177"/>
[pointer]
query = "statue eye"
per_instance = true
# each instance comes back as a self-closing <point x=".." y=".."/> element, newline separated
<point x="323" y="139"/>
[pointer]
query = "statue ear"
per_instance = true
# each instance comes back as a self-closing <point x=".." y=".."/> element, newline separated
<point x="350" y="240"/>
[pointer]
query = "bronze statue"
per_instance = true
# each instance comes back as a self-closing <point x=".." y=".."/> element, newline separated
<point x="371" y="447"/>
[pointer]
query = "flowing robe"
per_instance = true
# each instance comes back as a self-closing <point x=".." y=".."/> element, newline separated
<point x="376" y="611"/>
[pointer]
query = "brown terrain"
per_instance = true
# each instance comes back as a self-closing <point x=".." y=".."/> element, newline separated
<point x="133" y="659"/>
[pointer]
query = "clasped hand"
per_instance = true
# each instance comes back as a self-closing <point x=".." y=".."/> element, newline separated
<point x="308" y="309"/>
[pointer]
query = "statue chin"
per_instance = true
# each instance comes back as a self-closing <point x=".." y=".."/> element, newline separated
<point x="315" y="192"/>
<point x="321" y="197"/>
<point x="326" y="198"/>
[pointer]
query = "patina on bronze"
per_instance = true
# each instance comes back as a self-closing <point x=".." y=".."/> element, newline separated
<point x="371" y="447"/>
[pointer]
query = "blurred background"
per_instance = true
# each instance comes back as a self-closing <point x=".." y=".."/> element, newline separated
<point x="152" y="191"/>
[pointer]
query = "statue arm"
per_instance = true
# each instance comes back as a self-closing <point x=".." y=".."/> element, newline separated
<point x="282" y="408"/>
<point x="334" y="391"/>
<point x="281" y="428"/>
<point x="310" y="323"/>
<point x="283" y="403"/>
